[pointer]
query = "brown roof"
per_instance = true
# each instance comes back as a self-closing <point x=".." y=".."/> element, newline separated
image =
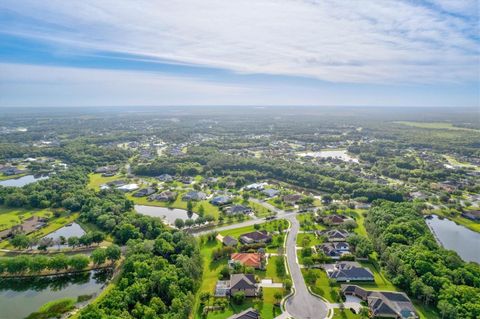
<point x="248" y="259"/>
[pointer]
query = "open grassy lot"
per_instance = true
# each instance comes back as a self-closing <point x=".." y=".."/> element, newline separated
<point x="260" y="211"/>
<point x="434" y="125"/>
<point x="272" y="270"/>
<point x="311" y="239"/>
<point x="308" y="223"/>
<point x="12" y="216"/>
<point x="359" y="216"/>
<point x="96" y="180"/>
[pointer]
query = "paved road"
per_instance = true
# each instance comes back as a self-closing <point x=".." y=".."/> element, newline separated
<point x="302" y="305"/>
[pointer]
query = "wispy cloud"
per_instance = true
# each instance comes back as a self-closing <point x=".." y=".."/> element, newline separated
<point x="337" y="41"/>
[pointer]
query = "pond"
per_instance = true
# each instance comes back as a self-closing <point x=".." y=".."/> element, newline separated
<point x="339" y="154"/>
<point x="464" y="241"/>
<point x="167" y="214"/>
<point x="22" y="181"/>
<point x="21" y="297"/>
<point x="66" y="231"/>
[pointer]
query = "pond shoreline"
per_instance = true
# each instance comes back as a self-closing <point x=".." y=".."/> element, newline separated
<point x="55" y="274"/>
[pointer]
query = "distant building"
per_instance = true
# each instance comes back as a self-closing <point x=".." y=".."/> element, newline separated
<point x="256" y="186"/>
<point x="165" y="178"/>
<point x="229" y="241"/>
<point x="383" y="304"/>
<point x="194" y="196"/>
<point x="335" y="219"/>
<point x="221" y="200"/>
<point x="144" y="192"/>
<point x="255" y="237"/>
<point x="271" y="192"/>
<point x="292" y="199"/>
<point x="128" y="187"/>
<point x="166" y="196"/>
<point x="238" y="209"/>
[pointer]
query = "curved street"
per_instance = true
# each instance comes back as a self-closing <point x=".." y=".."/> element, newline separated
<point x="302" y="305"/>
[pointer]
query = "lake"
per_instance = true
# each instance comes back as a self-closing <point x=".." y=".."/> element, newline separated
<point x="339" y="154"/>
<point x="167" y="214"/>
<point x="455" y="237"/>
<point x="21" y="297"/>
<point x="22" y="181"/>
<point x="66" y="231"/>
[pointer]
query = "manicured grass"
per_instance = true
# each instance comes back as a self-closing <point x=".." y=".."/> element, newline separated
<point x="272" y="271"/>
<point x="453" y="161"/>
<point x="308" y="223"/>
<point x="96" y="180"/>
<point x="359" y="217"/>
<point x="313" y="239"/>
<point x="345" y="314"/>
<point x="260" y="210"/>
<point x="13" y="216"/>
<point x="5" y="177"/>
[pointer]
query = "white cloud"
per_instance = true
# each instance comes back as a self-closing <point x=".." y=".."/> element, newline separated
<point x="33" y="85"/>
<point x="339" y="41"/>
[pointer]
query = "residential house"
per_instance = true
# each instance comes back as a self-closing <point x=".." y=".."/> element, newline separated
<point x="221" y="200"/>
<point x="229" y="241"/>
<point x="349" y="271"/>
<point x="250" y="313"/>
<point x="472" y="215"/>
<point x="117" y="183"/>
<point x="271" y="192"/>
<point x="128" y="187"/>
<point x="194" y="196"/>
<point x="292" y="199"/>
<point x="383" y="304"/>
<point x="256" y="186"/>
<point x="144" y="192"/>
<point x="335" y="219"/>
<point x="111" y="169"/>
<point x="243" y="283"/>
<point x="166" y="196"/>
<point x="165" y="178"/>
<point x="255" y="237"/>
<point x="334" y="250"/>
<point x="238" y="209"/>
<point x="334" y="235"/>
<point x="254" y="260"/>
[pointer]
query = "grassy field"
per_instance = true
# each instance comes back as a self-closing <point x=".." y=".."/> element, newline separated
<point x="13" y="216"/>
<point x="307" y="222"/>
<point x="5" y="177"/>
<point x="260" y="210"/>
<point x="313" y="240"/>
<point x="359" y="219"/>
<point x="434" y="125"/>
<point x="96" y="180"/>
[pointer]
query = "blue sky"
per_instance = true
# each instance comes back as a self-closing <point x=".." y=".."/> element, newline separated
<point x="249" y="52"/>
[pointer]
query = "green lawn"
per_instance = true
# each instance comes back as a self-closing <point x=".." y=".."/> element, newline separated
<point x="272" y="269"/>
<point x="359" y="219"/>
<point x="308" y="223"/>
<point x="13" y="216"/>
<point x="345" y="314"/>
<point x="260" y="210"/>
<point x="313" y="239"/>
<point x="96" y="180"/>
